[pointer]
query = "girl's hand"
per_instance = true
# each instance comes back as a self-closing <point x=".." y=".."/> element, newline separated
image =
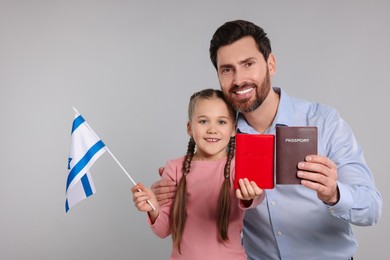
<point x="248" y="190"/>
<point x="141" y="195"/>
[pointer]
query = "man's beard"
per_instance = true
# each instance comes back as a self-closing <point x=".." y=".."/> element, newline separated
<point x="248" y="105"/>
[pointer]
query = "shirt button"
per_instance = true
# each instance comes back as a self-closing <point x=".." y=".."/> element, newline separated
<point x="280" y="233"/>
<point x="273" y="203"/>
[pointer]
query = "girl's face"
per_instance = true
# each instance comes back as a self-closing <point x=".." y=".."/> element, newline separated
<point x="211" y="127"/>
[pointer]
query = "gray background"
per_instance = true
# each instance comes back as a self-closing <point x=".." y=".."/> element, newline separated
<point x="130" y="67"/>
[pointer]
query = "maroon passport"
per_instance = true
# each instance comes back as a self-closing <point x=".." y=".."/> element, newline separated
<point x="255" y="159"/>
<point x="293" y="144"/>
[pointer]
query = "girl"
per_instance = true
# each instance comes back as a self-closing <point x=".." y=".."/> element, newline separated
<point x="205" y="219"/>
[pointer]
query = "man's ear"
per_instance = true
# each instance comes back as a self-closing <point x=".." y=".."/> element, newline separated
<point x="271" y="63"/>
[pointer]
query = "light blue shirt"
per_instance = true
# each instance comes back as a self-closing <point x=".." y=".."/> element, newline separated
<point x="292" y="223"/>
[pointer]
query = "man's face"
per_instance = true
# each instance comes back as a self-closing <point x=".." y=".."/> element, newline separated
<point x="243" y="74"/>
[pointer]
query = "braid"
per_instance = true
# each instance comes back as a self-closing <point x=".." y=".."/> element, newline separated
<point x="188" y="157"/>
<point x="230" y="152"/>
<point x="223" y="213"/>
<point x="178" y="211"/>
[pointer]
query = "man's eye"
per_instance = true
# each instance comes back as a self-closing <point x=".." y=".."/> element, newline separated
<point x="249" y="64"/>
<point x="226" y="70"/>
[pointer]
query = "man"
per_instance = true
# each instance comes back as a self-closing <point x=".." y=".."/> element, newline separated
<point x="308" y="221"/>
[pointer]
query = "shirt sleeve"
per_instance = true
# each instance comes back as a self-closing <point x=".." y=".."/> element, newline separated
<point x="360" y="202"/>
<point x="161" y="227"/>
<point x="254" y="204"/>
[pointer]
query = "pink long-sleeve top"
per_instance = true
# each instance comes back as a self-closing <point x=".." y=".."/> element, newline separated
<point x="200" y="237"/>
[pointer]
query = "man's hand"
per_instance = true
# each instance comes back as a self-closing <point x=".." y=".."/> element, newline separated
<point x="319" y="173"/>
<point x="164" y="190"/>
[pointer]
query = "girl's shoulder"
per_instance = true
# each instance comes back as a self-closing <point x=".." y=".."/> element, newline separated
<point x="176" y="161"/>
<point x="172" y="169"/>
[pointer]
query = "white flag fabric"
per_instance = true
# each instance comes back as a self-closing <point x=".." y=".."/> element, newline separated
<point x="86" y="147"/>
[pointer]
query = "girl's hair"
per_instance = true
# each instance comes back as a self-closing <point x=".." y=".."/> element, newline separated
<point x="235" y="30"/>
<point x="178" y="210"/>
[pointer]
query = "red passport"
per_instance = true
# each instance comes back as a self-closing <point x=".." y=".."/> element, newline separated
<point x="255" y="159"/>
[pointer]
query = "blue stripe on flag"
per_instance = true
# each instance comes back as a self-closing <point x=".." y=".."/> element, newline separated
<point x="66" y="206"/>
<point x="86" y="185"/>
<point x="77" y="122"/>
<point x="84" y="161"/>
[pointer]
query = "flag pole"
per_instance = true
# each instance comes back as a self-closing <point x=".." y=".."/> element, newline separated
<point x="128" y="175"/>
<point x="116" y="160"/>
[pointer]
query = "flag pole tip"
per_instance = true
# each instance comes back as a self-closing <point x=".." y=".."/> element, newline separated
<point x="75" y="110"/>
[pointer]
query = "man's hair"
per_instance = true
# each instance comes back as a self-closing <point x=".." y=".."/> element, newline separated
<point x="235" y="30"/>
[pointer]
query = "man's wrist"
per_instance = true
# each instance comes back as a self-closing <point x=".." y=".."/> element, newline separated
<point x="333" y="201"/>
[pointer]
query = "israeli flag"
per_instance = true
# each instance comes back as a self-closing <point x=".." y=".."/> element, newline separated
<point x="86" y="147"/>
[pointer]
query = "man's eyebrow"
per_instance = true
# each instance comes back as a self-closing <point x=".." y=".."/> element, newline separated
<point x="250" y="59"/>
<point x="225" y="66"/>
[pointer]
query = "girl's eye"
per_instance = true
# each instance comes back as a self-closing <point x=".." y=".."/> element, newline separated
<point x="222" y="122"/>
<point x="203" y="121"/>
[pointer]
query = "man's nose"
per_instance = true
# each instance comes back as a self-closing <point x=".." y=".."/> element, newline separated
<point x="239" y="78"/>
